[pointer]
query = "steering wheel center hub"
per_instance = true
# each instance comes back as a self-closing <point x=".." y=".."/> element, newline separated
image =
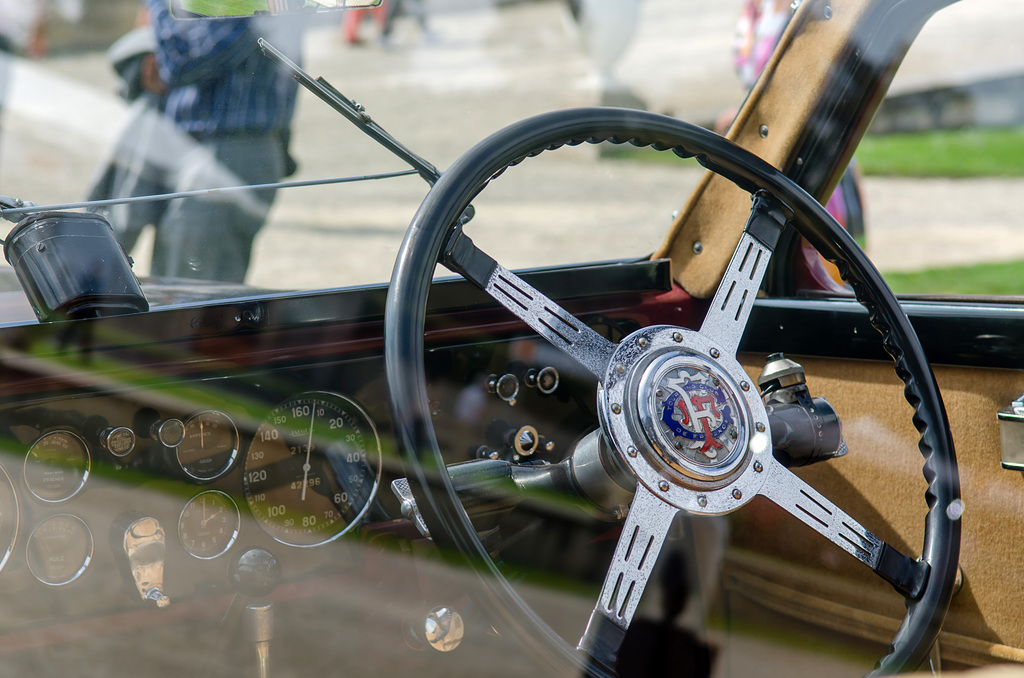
<point x="686" y="419"/>
<point x="691" y="416"/>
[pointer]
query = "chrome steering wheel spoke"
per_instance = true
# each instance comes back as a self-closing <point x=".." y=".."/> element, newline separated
<point x="727" y="316"/>
<point x="636" y="553"/>
<point x="812" y="508"/>
<point x="544" y="316"/>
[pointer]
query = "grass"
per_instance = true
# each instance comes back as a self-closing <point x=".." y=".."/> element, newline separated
<point x="973" y="152"/>
<point x="976" y="152"/>
<point x="996" y="279"/>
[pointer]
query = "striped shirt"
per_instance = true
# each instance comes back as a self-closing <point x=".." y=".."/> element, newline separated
<point x="218" y="80"/>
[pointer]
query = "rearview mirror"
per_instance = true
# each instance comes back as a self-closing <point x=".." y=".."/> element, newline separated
<point x="226" y="8"/>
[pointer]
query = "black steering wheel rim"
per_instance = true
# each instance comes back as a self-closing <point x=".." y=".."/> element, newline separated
<point x="439" y="217"/>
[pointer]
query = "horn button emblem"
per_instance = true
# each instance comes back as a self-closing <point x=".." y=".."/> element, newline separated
<point x="692" y="417"/>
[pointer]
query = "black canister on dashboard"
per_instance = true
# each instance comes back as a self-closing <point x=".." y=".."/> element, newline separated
<point x="71" y="266"/>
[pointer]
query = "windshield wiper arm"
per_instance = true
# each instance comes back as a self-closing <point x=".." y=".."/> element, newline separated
<point x="353" y="112"/>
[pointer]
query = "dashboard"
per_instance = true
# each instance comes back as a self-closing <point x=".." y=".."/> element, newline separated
<point x="161" y="467"/>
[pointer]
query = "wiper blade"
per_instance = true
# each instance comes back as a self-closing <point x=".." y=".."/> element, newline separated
<point x="353" y="112"/>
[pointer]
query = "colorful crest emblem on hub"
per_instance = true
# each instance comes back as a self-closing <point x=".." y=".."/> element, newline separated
<point x="698" y="416"/>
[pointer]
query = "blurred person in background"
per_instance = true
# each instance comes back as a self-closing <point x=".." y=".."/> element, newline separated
<point x="223" y="114"/>
<point x="23" y="26"/>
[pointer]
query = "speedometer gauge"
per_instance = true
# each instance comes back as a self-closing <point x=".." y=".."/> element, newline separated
<point x="312" y="469"/>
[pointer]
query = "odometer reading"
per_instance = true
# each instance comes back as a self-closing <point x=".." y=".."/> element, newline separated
<point x="312" y="469"/>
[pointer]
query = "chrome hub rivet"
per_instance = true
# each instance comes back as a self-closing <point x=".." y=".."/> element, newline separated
<point x="631" y="451"/>
<point x="702" y="501"/>
<point x="745" y="385"/>
<point x="617" y="409"/>
<point x="715" y="353"/>
<point x="663" y="486"/>
<point x="642" y="342"/>
<point x="758" y="467"/>
<point x="677" y="337"/>
<point x="620" y="368"/>
<point x="736" y="494"/>
<point x="760" y="427"/>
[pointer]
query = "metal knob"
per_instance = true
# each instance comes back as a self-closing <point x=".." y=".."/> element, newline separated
<point x="505" y="387"/>
<point x="255" y="572"/>
<point x="169" y="432"/>
<point x="544" y="380"/>
<point x="118" y="440"/>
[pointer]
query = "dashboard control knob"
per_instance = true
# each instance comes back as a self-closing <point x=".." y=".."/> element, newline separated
<point x="505" y="387"/>
<point x="169" y="432"/>
<point x="118" y="440"/>
<point x="544" y="380"/>
<point x="144" y="545"/>
<point x="525" y="440"/>
<point x="255" y="572"/>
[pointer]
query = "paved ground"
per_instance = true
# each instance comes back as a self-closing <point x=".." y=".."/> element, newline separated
<point x="483" y="66"/>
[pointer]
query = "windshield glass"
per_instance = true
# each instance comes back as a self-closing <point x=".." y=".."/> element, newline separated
<point x="87" y="114"/>
<point x="438" y="78"/>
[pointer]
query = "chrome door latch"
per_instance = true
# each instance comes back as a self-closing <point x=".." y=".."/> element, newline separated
<point x="1011" y="434"/>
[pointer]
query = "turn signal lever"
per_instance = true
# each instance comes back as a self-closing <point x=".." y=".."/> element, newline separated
<point x="805" y="430"/>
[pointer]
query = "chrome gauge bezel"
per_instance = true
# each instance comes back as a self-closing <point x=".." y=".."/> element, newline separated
<point x="262" y="443"/>
<point x="232" y="453"/>
<point x="234" y="517"/>
<point x="10" y="517"/>
<point x="83" y="562"/>
<point x="37" y="492"/>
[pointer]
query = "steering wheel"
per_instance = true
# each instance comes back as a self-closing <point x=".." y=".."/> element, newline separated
<point x="651" y="371"/>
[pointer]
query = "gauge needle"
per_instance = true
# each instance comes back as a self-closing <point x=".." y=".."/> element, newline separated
<point x="309" y="447"/>
<point x="210" y="517"/>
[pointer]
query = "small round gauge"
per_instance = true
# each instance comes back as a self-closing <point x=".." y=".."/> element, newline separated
<point x="210" y="445"/>
<point x="57" y="466"/>
<point x="312" y="469"/>
<point x="9" y="516"/>
<point x="59" y="549"/>
<point x="208" y="524"/>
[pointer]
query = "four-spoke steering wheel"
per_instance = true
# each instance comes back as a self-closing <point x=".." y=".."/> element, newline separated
<point x="658" y="369"/>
